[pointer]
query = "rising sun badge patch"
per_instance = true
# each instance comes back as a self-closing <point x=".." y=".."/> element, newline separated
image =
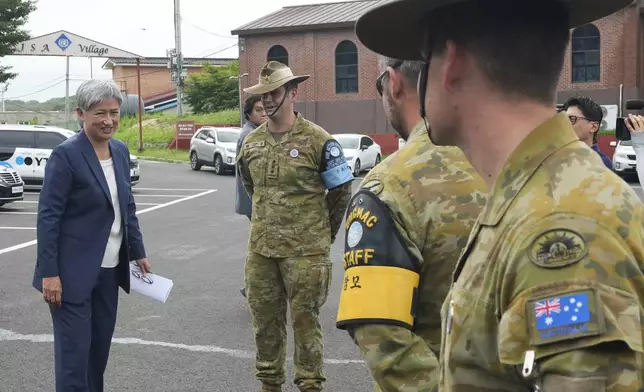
<point x="557" y="248"/>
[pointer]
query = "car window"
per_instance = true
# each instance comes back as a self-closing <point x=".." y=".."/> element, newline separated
<point x="227" y="136"/>
<point x="10" y="139"/>
<point x="626" y="143"/>
<point x="350" y="143"/>
<point x="366" y="141"/>
<point x="48" y="140"/>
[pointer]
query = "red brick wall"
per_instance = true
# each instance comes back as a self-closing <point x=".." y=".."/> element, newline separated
<point x="313" y="53"/>
<point x="618" y="43"/>
<point x="154" y="80"/>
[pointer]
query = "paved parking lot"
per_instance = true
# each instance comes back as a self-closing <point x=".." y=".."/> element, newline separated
<point x="201" y="339"/>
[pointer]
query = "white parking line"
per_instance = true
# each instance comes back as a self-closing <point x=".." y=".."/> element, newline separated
<point x="142" y="195"/>
<point x="17" y="213"/>
<point x="17" y="228"/>
<point x="7" y="335"/>
<point x="33" y="242"/>
<point x="169" y="189"/>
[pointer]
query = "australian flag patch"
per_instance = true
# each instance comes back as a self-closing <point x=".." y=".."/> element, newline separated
<point x="565" y="317"/>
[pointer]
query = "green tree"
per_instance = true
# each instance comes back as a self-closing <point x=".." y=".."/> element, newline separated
<point x="13" y="16"/>
<point x="213" y="89"/>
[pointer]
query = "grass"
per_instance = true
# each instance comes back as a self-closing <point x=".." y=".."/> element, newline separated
<point x="159" y="130"/>
<point x="163" y="154"/>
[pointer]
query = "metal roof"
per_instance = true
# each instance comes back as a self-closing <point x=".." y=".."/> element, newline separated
<point x="304" y="17"/>
<point x="162" y="61"/>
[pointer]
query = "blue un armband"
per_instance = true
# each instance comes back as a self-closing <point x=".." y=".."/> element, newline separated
<point x="335" y="169"/>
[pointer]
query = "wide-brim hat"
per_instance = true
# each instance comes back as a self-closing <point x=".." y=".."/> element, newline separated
<point x="273" y="76"/>
<point x="395" y="29"/>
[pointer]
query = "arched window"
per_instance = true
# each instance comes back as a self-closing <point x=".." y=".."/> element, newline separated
<point x="586" y="55"/>
<point x="278" y="53"/>
<point x="346" y="68"/>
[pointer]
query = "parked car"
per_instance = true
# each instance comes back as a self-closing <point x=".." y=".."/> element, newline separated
<point x="216" y="147"/>
<point x="361" y="151"/>
<point x="624" y="160"/>
<point x="11" y="185"/>
<point x="26" y="149"/>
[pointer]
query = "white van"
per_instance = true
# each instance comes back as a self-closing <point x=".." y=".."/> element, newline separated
<point x="26" y="148"/>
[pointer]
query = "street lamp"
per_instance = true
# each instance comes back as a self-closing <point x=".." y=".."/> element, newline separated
<point x="241" y="105"/>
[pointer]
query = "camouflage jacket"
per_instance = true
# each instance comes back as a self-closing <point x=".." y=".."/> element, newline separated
<point x="293" y="215"/>
<point x="429" y="198"/>
<point x="549" y="290"/>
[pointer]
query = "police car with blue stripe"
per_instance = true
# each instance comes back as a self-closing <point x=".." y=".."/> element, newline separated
<point x="26" y="149"/>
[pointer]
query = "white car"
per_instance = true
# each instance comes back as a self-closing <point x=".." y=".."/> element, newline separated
<point x="624" y="159"/>
<point x="26" y="149"/>
<point x="361" y="151"/>
<point x="216" y="147"/>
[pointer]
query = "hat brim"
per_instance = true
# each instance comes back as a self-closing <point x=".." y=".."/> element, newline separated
<point x="405" y="18"/>
<point x="260" y="88"/>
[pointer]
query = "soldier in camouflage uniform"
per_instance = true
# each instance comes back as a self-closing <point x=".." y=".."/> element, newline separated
<point x="405" y="228"/>
<point x="548" y="294"/>
<point x="300" y="185"/>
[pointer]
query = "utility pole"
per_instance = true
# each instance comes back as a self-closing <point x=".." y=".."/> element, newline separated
<point x="67" y="92"/>
<point x="241" y="105"/>
<point x="179" y="56"/>
<point x="3" y="89"/>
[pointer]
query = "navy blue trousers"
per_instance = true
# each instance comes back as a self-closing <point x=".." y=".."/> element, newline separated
<point x="83" y="335"/>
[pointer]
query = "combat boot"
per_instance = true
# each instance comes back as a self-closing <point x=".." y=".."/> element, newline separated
<point x="271" y="388"/>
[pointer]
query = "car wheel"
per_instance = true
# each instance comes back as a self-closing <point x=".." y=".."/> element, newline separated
<point x="194" y="162"/>
<point x="377" y="160"/>
<point x="356" y="168"/>
<point x="218" y="165"/>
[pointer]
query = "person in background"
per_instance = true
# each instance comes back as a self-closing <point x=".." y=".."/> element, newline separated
<point x="586" y="117"/>
<point x="635" y="124"/>
<point x="424" y="217"/>
<point x="255" y="115"/>
<point x="87" y="233"/>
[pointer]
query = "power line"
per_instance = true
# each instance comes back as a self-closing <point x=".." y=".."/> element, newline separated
<point x="36" y="92"/>
<point x="206" y="31"/>
<point x="219" y="51"/>
<point x="33" y="110"/>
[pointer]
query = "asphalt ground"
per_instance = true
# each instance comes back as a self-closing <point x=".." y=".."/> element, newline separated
<point x="201" y="338"/>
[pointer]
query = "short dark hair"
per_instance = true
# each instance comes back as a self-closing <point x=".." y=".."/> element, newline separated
<point x="249" y="104"/>
<point x="519" y="45"/>
<point x="409" y="68"/>
<point x="589" y="108"/>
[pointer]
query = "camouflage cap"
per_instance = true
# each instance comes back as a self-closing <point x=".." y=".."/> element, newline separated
<point x="272" y="76"/>
<point x="395" y="28"/>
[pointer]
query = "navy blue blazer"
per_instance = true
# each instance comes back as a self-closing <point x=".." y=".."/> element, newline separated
<point x="75" y="215"/>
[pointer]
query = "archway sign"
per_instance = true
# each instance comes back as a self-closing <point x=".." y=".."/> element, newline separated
<point x="65" y="44"/>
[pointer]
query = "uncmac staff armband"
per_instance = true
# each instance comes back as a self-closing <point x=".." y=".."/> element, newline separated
<point x="380" y="275"/>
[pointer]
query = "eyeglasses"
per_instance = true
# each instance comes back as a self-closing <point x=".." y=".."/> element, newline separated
<point x="146" y="279"/>
<point x="573" y="119"/>
<point x="397" y="64"/>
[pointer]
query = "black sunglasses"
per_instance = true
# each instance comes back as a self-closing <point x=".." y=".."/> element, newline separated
<point x="397" y="64"/>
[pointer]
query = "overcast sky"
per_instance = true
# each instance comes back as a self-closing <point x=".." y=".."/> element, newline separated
<point x="144" y="27"/>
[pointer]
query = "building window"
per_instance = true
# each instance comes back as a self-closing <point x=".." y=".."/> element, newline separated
<point x="278" y="53"/>
<point x="586" y="55"/>
<point x="346" y="68"/>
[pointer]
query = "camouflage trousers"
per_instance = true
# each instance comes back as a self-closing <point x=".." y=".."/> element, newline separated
<point x="273" y="284"/>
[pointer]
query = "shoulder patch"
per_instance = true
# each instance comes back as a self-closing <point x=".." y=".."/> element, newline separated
<point x="568" y="316"/>
<point x="557" y="248"/>
<point x="375" y="186"/>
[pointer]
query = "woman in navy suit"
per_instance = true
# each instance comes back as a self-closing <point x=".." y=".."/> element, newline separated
<point x="87" y="234"/>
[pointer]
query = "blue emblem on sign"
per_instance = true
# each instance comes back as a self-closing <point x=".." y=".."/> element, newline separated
<point x="6" y="164"/>
<point x="63" y="42"/>
<point x="20" y="161"/>
<point x="562" y="311"/>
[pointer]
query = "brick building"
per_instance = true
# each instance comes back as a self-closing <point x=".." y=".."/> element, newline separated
<point x="156" y="84"/>
<point x="319" y="40"/>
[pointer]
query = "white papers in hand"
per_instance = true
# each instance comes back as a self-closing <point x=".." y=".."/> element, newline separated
<point x="153" y="286"/>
